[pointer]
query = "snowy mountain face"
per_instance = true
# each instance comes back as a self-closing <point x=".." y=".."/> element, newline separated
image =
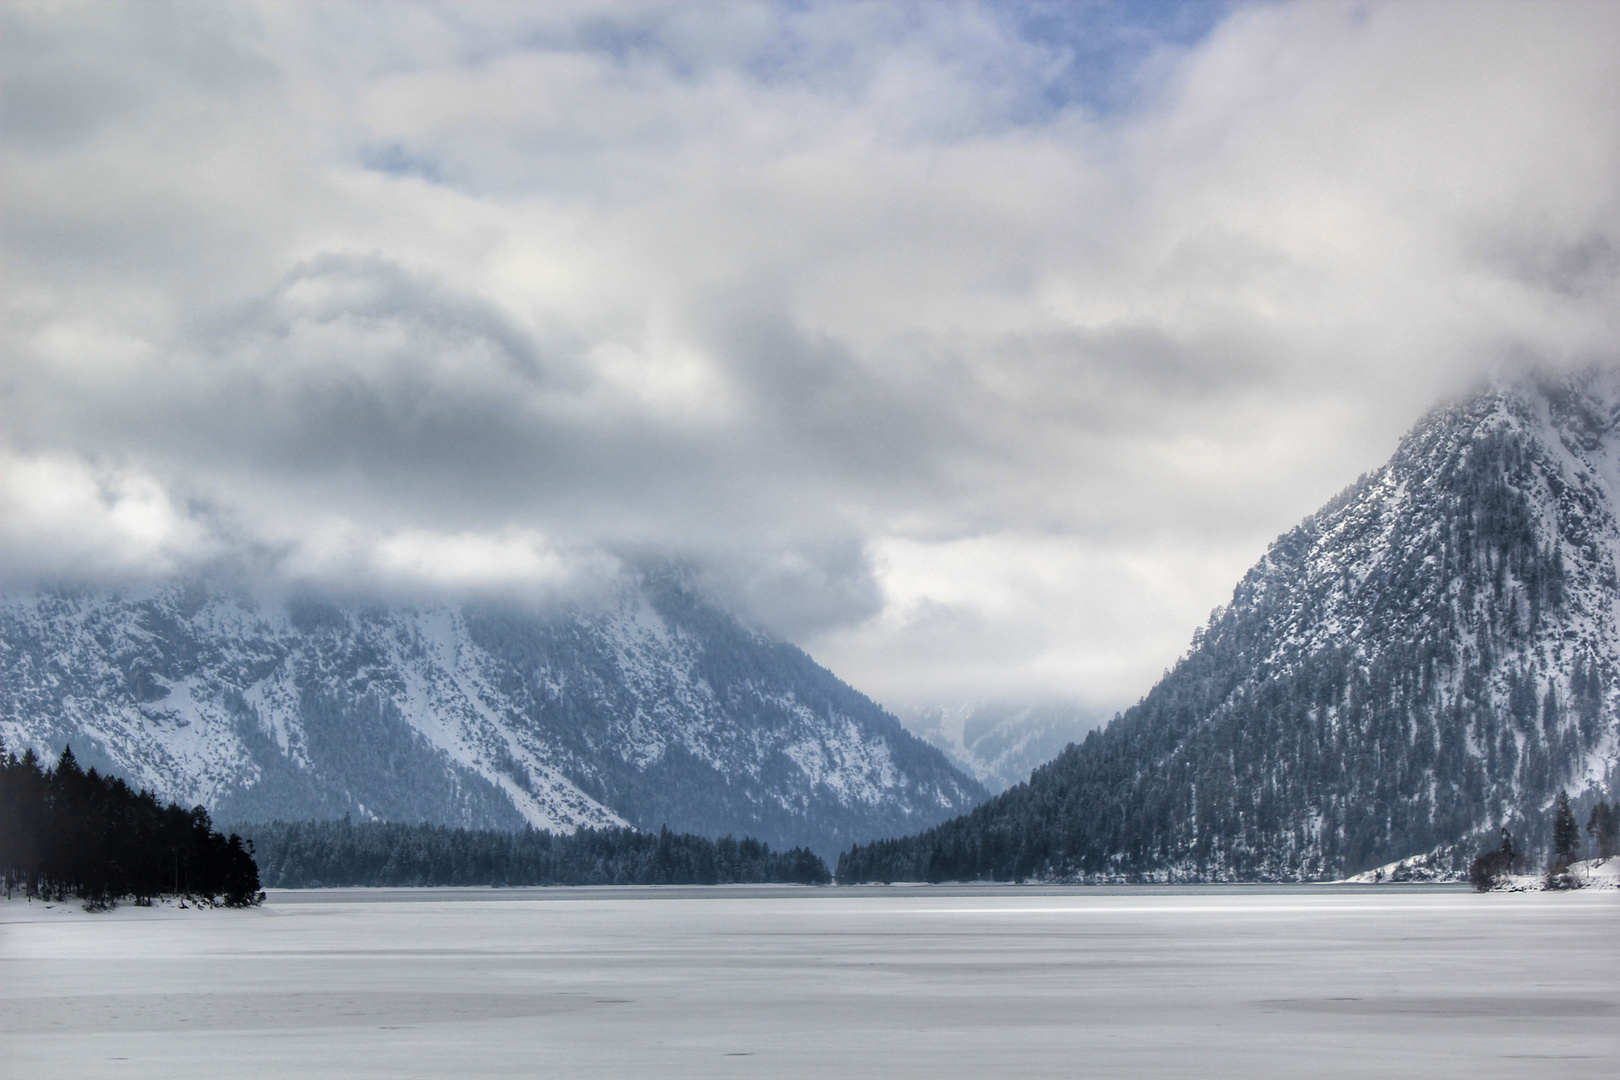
<point x="999" y="744"/>
<point x="1434" y="654"/>
<point x="656" y="709"/>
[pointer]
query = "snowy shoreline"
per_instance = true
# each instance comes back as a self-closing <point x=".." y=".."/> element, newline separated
<point x="1586" y="874"/>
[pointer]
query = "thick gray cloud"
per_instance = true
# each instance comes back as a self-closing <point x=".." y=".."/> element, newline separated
<point x="977" y="348"/>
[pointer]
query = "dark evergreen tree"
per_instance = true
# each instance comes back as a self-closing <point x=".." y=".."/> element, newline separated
<point x="1566" y="833"/>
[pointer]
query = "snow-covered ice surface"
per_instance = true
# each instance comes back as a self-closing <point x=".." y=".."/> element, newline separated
<point x="1317" y="981"/>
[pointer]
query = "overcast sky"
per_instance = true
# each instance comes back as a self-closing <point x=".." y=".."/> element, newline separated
<point x="976" y="348"/>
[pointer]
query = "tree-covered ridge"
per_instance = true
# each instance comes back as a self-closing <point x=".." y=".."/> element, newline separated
<point x="312" y="854"/>
<point x="67" y="832"/>
<point x="1427" y="659"/>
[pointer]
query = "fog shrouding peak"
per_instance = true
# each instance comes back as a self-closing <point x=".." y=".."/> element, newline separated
<point x="976" y="348"/>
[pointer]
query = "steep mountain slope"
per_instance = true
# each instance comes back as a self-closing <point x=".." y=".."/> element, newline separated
<point x="655" y="709"/>
<point x="999" y="744"/>
<point x="1433" y="654"/>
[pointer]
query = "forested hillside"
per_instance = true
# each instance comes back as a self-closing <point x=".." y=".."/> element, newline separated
<point x="309" y="854"/>
<point x="1431" y="656"/>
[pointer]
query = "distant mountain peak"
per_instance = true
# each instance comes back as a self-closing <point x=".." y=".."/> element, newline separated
<point x="999" y="743"/>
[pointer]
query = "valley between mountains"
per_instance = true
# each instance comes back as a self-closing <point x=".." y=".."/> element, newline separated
<point x="1433" y="655"/>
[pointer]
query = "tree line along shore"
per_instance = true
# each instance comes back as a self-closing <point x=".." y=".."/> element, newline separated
<point x="70" y="832"/>
<point x="67" y="832"/>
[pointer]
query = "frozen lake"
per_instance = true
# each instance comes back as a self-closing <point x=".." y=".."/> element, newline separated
<point x="848" y="983"/>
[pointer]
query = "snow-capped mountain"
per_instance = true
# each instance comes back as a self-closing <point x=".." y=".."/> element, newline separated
<point x="654" y="708"/>
<point x="1432" y="655"/>
<point x="997" y="743"/>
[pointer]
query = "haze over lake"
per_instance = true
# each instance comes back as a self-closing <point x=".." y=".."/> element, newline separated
<point x="782" y="982"/>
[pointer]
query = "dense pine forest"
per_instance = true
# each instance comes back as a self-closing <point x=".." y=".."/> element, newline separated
<point x="312" y="854"/>
<point x="68" y="832"/>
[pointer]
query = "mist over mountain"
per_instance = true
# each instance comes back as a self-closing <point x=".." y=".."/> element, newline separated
<point x="975" y="347"/>
<point x="1431" y="656"/>
<point x="652" y="707"/>
<point x="1000" y="743"/>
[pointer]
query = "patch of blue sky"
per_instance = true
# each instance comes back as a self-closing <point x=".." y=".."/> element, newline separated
<point x="1101" y="49"/>
<point x="1053" y="56"/>
<point x="1107" y="57"/>
<point x="1095" y="54"/>
<point x="626" y="39"/>
<point x="397" y="160"/>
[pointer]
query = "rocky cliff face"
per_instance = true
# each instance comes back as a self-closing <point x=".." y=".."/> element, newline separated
<point x="654" y="708"/>
<point x="1433" y="654"/>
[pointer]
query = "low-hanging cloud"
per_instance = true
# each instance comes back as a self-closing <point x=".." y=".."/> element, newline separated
<point x="976" y="347"/>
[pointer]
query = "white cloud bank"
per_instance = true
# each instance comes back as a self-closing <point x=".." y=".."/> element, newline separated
<point x="976" y="362"/>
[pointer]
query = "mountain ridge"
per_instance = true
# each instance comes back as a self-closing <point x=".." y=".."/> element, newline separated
<point x="654" y="707"/>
